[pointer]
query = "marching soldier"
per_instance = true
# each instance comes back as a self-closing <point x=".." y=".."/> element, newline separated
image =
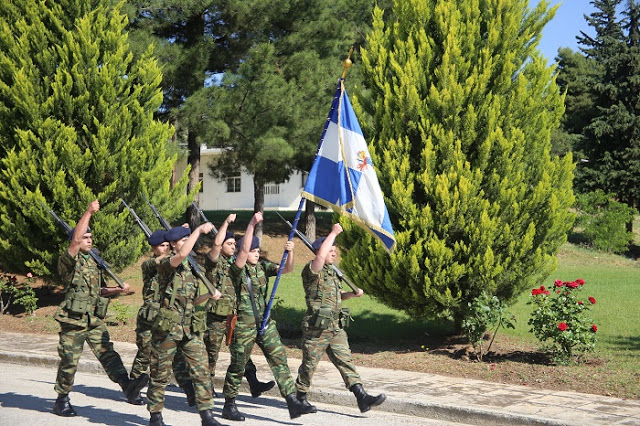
<point x="250" y="276"/>
<point x="217" y="265"/>
<point x="81" y="317"/>
<point x="179" y="324"/>
<point x="147" y="314"/>
<point x="323" y="327"/>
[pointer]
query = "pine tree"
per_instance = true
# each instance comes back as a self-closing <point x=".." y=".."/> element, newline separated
<point x="611" y="142"/>
<point x="77" y="125"/>
<point x="462" y="108"/>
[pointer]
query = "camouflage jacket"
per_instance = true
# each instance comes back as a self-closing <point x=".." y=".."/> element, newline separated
<point x="81" y="278"/>
<point x="218" y="273"/>
<point x="149" y="278"/>
<point x="259" y="275"/>
<point x="322" y="290"/>
<point x="187" y="289"/>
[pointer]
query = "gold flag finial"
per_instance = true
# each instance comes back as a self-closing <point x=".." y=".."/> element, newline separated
<point x="347" y="63"/>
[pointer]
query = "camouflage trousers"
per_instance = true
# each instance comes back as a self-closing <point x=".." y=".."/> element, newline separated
<point x="334" y="342"/>
<point x="70" y="347"/>
<point x="162" y="354"/>
<point x="143" y="356"/>
<point x="213" y="340"/>
<point x="244" y="337"/>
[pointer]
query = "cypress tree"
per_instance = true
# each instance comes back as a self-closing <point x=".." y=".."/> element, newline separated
<point x="77" y="125"/>
<point x="462" y="106"/>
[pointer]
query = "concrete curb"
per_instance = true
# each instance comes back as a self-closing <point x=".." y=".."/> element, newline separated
<point x="444" y="412"/>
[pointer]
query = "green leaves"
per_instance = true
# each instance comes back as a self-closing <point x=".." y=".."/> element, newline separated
<point x="462" y="111"/>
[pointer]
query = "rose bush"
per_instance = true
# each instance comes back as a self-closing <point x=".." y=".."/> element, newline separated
<point x="559" y="317"/>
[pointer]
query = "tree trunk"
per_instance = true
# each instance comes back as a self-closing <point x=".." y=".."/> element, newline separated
<point x="310" y="220"/>
<point x="258" y="203"/>
<point x="194" y="177"/>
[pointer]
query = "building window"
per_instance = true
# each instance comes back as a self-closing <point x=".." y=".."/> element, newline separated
<point x="305" y="176"/>
<point x="201" y="180"/>
<point x="271" y="189"/>
<point x="233" y="182"/>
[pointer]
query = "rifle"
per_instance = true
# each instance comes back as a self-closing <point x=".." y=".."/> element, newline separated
<point x="94" y="254"/>
<point x="142" y="225"/>
<point x="190" y="257"/>
<point x="203" y="217"/>
<point x="307" y="243"/>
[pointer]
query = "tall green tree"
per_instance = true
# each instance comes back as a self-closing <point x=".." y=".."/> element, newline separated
<point x="611" y="141"/>
<point x="77" y="124"/>
<point x="299" y="43"/>
<point x="462" y="108"/>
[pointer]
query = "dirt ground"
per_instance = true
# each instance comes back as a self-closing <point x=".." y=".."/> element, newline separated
<point x="510" y="360"/>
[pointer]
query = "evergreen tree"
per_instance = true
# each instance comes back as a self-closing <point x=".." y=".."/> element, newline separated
<point x="611" y="141"/>
<point x="77" y="125"/>
<point x="462" y="108"/>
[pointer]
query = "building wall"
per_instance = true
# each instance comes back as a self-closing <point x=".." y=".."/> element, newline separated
<point x="214" y="195"/>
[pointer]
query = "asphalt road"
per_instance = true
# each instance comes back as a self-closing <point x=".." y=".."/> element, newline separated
<point x="27" y="397"/>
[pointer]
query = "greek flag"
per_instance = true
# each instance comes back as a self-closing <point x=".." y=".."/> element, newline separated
<point x="343" y="176"/>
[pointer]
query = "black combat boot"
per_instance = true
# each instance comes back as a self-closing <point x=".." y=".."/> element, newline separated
<point x="63" y="407"/>
<point x="257" y="387"/>
<point x="366" y="401"/>
<point x="188" y="389"/>
<point x="213" y="391"/>
<point x="207" y="418"/>
<point x="297" y="408"/>
<point x="230" y="410"/>
<point x="132" y="388"/>
<point x="302" y="397"/>
<point x="156" y="420"/>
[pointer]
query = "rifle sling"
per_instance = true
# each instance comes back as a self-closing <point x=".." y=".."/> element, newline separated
<point x="253" y="303"/>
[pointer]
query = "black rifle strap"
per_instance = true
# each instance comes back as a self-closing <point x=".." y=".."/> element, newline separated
<point x="253" y="302"/>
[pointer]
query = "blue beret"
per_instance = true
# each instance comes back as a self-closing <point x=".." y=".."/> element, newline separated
<point x="157" y="238"/>
<point x="317" y="243"/>
<point x="73" y="230"/>
<point x="255" y="243"/>
<point x="174" y="234"/>
<point x="228" y="235"/>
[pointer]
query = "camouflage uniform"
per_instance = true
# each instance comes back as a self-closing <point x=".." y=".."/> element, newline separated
<point x="322" y="290"/>
<point x="150" y="293"/>
<point x="246" y="335"/>
<point x="82" y="280"/>
<point x="218" y="273"/>
<point x="183" y="287"/>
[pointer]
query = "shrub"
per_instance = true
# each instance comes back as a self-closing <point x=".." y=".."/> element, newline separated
<point x="560" y="316"/>
<point x="13" y="292"/>
<point x="603" y="221"/>
<point x="485" y="313"/>
<point x="121" y="310"/>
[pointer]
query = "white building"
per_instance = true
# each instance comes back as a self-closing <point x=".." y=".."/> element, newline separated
<point x="236" y="192"/>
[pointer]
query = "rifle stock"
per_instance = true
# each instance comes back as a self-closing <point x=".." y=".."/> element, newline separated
<point x="93" y="253"/>
<point x="190" y="257"/>
<point x="308" y="243"/>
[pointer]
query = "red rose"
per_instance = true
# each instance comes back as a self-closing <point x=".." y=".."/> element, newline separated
<point x="594" y="328"/>
<point x="546" y="292"/>
<point x="558" y="283"/>
<point x="592" y="300"/>
<point x="535" y="292"/>
<point x="580" y="302"/>
<point x="580" y="281"/>
<point x="562" y="326"/>
<point x="572" y="284"/>
<point x="542" y="288"/>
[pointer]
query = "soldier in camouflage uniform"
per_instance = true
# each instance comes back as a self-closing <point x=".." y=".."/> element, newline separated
<point x="147" y="314"/>
<point x="81" y="317"/>
<point x="217" y="265"/>
<point x="179" y="324"/>
<point x="324" y="323"/>
<point x="249" y="272"/>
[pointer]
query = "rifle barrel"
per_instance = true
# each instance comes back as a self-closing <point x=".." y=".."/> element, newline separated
<point x="308" y="243"/>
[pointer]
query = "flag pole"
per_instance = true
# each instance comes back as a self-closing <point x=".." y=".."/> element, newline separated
<point x="267" y="312"/>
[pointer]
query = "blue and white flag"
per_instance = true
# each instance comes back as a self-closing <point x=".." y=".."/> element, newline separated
<point x="343" y="176"/>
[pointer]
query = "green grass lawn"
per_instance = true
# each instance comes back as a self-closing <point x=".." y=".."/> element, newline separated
<point x="612" y="280"/>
